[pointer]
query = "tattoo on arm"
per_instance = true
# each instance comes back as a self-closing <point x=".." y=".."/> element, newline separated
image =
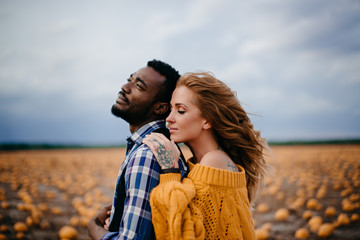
<point x="232" y="166"/>
<point x="165" y="156"/>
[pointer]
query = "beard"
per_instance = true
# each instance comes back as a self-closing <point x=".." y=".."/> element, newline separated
<point x="135" y="116"/>
<point x="118" y="113"/>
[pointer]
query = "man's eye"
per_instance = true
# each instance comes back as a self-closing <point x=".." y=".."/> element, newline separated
<point x="129" y="80"/>
<point x="140" y="86"/>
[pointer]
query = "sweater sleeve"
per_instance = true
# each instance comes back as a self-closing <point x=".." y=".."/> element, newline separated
<point x="171" y="215"/>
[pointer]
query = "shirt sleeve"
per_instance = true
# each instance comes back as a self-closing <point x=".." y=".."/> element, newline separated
<point x="141" y="176"/>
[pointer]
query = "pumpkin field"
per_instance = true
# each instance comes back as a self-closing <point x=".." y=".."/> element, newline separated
<point x="311" y="192"/>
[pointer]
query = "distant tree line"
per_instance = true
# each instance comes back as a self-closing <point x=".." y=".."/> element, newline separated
<point x="25" y="146"/>
<point x="314" y="142"/>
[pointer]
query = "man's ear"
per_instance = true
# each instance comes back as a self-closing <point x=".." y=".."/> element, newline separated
<point x="161" y="108"/>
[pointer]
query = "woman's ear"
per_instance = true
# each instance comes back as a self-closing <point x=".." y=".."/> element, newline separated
<point x="206" y="125"/>
<point x="161" y="108"/>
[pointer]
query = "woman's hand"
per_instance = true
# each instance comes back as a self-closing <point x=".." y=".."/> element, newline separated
<point x="166" y="152"/>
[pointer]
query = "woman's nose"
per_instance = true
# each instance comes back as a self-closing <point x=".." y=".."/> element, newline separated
<point x="170" y="118"/>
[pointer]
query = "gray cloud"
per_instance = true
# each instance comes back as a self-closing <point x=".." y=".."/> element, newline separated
<point x="294" y="64"/>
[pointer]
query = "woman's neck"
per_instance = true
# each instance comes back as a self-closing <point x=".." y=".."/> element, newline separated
<point x="202" y="145"/>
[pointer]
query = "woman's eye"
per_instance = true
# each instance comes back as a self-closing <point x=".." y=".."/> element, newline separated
<point x="181" y="112"/>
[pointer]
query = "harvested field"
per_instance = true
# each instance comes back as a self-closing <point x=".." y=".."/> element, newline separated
<point x="49" y="189"/>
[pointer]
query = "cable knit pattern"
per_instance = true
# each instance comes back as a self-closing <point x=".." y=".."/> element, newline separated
<point x="210" y="203"/>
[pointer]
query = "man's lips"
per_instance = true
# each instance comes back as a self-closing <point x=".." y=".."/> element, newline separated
<point x="122" y="99"/>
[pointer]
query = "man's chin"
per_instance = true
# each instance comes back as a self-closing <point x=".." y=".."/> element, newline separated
<point x="116" y="112"/>
<point x="119" y="113"/>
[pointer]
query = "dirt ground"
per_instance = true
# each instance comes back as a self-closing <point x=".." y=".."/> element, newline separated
<point x="49" y="189"/>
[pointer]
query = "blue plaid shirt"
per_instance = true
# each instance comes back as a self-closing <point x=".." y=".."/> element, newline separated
<point x="142" y="173"/>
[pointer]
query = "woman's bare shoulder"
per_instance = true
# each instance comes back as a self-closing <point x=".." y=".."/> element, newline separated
<point x="218" y="159"/>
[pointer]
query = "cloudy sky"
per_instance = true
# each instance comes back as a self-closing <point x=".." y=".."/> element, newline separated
<point x="295" y="65"/>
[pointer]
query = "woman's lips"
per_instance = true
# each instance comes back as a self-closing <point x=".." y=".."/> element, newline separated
<point x="172" y="129"/>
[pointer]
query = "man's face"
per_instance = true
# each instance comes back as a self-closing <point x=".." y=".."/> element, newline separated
<point x="136" y="98"/>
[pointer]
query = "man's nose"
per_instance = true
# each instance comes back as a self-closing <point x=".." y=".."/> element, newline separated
<point x="126" y="87"/>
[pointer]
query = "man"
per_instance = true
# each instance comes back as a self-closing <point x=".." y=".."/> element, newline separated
<point x="144" y="103"/>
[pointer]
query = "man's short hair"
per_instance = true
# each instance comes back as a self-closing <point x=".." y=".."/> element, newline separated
<point x="171" y="75"/>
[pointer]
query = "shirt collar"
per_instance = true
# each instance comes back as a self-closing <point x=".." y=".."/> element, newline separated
<point x="140" y="134"/>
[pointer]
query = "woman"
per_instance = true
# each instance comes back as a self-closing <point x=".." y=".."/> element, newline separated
<point x="213" y="202"/>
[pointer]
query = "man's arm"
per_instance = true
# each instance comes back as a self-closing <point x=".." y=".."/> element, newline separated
<point x="95" y="226"/>
<point x="141" y="176"/>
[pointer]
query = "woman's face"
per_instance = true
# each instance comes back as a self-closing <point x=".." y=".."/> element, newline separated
<point x="185" y="120"/>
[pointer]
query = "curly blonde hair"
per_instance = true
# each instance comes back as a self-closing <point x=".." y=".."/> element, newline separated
<point x="231" y="125"/>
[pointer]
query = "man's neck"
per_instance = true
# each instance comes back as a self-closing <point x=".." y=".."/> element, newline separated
<point x="134" y="127"/>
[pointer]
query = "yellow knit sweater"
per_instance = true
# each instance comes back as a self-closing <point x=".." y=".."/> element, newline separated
<point x="210" y="203"/>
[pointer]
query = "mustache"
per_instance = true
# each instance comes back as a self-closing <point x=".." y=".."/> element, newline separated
<point x="122" y="93"/>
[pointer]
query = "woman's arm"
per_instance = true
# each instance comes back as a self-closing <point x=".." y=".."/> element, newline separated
<point x="166" y="152"/>
<point x="171" y="215"/>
